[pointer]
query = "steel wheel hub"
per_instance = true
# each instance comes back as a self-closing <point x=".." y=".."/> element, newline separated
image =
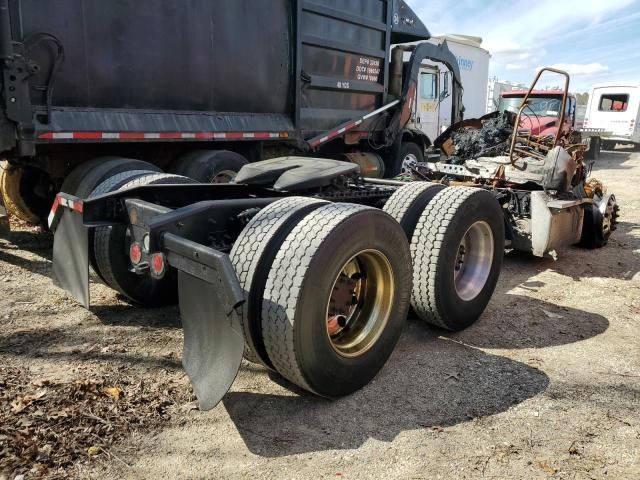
<point x="473" y="261"/>
<point x="409" y="163"/>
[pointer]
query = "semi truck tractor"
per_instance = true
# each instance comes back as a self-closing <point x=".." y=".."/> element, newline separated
<point x="193" y="155"/>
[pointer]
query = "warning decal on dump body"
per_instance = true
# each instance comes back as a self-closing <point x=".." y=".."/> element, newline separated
<point x="368" y="69"/>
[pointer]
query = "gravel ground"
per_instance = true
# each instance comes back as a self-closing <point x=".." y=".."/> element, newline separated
<point x="546" y="384"/>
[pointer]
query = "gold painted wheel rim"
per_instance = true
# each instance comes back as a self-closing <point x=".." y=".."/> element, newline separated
<point x="360" y="303"/>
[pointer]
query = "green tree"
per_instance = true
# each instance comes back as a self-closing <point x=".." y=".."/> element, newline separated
<point x="582" y="98"/>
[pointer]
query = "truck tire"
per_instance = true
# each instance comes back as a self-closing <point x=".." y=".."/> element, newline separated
<point x="596" y="227"/>
<point x="110" y="185"/>
<point x="110" y="247"/>
<point x="209" y="166"/>
<point x="11" y="182"/>
<point x="408" y="202"/>
<point x="104" y="173"/>
<point x="336" y="298"/>
<point x="86" y="177"/>
<point x="457" y="251"/>
<point x="252" y="256"/>
<point x="410" y="153"/>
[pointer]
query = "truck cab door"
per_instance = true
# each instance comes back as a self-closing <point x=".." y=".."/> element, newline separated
<point x="427" y="101"/>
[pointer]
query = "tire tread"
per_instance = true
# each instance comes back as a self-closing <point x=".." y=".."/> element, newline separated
<point x="251" y="245"/>
<point x="426" y="246"/>
<point x="284" y="285"/>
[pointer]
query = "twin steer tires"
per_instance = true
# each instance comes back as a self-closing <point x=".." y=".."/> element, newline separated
<point x="328" y="286"/>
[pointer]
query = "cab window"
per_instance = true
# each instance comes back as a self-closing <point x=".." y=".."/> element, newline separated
<point x="614" y="103"/>
<point x="428" y="86"/>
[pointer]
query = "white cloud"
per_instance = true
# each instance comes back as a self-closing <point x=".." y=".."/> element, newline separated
<point x="580" y="68"/>
<point x="502" y="45"/>
<point x="522" y="35"/>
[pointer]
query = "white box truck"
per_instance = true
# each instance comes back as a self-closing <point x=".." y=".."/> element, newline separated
<point x="615" y="108"/>
<point x="432" y="112"/>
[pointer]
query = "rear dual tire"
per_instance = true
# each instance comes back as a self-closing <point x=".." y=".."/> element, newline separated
<point x="296" y="305"/>
<point x="111" y="247"/>
<point x="252" y="256"/>
<point x="457" y="247"/>
<point x="209" y="166"/>
<point x="86" y="177"/>
<point x="335" y="295"/>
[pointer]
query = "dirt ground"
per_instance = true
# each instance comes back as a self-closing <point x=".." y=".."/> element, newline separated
<point x="546" y="384"/>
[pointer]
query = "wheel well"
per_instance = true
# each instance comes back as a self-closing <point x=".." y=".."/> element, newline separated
<point x="418" y="138"/>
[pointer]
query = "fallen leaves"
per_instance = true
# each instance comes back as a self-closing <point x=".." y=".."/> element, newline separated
<point x="93" y="451"/>
<point x="21" y="403"/>
<point x="547" y="468"/>
<point x="47" y="427"/>
<point x="113" y="392"/>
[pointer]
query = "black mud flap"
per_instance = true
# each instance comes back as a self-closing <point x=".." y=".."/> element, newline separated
<point x="5" y="229"/>
<point x="71" y="256"/>
<point x="213" y="340"/>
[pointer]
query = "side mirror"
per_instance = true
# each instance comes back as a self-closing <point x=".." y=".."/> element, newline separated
<point x="445" y="86"/>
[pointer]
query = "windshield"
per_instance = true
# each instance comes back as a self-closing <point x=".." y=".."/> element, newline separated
<point x="540" y="106"/>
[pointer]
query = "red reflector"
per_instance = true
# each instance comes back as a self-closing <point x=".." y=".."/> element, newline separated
<point x="135" y="253"/>
<point x="157" y="264"/>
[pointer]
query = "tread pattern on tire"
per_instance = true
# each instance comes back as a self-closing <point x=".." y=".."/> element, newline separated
<point x="251" y="244"/>
<point x="425" y="249"/>
<point x="113" y="183"/>
<point x="107" y="169"/>
<point x="107" y="186"/>
<point x="285" y="283"/>
<point x="103" y="234"/>
<point x="400" y="202"/>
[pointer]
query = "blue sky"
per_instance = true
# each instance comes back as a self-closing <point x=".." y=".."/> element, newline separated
<point x="596" y="41"/>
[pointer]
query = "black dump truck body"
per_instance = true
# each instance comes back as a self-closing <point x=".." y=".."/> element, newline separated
<point x="169" y="70"/>
<point x="158" y="80"/>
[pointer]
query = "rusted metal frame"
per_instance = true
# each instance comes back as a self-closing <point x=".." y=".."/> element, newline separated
<point x="524" y="105"/>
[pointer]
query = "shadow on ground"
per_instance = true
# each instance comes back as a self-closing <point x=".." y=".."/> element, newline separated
<point x="519" y="321"/>
<point x="614" y="159"/>
<point x="128" y="315"/>
<point x="82" y="344"/>
<point x="428" y="383"/>
<point x="525" y="322"/>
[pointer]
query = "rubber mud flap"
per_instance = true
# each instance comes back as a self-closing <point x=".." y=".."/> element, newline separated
<point x="4" y="221"/>
<point x="71" y="256"/>
<point x="213" y="340"/>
